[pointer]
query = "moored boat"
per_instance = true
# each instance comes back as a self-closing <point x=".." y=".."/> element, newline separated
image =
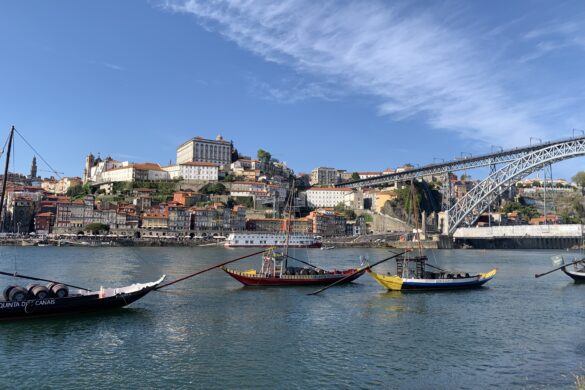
<point x="417" y="278"/>
<point x="271" y="240"/>
<point x="577" y="273"/>
<point x="56" y="299"/>
<point x="276" y="272"/>
<point x="414" y="274"/>
<point x="322" y="277"/>
<point x="39" y="300"/>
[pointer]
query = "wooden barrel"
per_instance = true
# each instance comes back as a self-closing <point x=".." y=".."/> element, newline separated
<point x="59" y="290"/>
<point x="18" y="294"/>
<point x="7" y="290"/>
<point x="38" y="291"/>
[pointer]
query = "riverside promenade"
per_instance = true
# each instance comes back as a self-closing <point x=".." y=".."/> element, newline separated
<point x="520" y="237"/>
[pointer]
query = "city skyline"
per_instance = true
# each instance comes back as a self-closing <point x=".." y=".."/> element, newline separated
<point x="359" y="87"/>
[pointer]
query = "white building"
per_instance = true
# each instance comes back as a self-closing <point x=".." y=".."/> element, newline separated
<point x="218" y="151"/>
<point x="329" y="197"/>
<point x="194" y="171"/>
<point x="95" y="168"/>
<point x="136" y="172"/>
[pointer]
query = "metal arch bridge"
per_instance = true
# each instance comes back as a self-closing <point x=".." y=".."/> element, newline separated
<point x="485" y="160"/>
<point x="468" y="209"/>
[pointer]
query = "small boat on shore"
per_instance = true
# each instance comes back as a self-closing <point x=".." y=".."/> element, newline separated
<point x="57" y="299"/>
<point x="412" y="275"/>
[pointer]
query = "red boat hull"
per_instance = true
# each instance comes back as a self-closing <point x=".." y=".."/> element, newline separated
<point x="294" y="280"/>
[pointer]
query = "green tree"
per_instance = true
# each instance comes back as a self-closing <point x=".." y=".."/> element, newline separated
<point x="355" y="176"/>
<point x="348" y="213"/>
<point x="246" y="201"/>
<point x="579" y="179"/>
<point x="525" y="211"/>
<point x="97" y="228"/>
<point x="214" y="189"/>
<point x="75" y="191"/>
<point x="263" y="155"/>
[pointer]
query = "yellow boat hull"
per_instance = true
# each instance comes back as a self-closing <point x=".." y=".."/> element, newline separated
<point x="396" y="283"/>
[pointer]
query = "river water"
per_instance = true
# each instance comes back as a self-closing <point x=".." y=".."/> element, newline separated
<point x="209" y="332"/>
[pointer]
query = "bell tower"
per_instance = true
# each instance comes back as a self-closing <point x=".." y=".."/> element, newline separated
<point x="89" y="163"/>
<point x="33" y="168"/>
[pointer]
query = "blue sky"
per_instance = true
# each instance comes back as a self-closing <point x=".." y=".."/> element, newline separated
<point x="355" y="85"/>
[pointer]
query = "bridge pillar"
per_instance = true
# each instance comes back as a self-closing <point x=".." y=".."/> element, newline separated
<point x="447" y="192"/>
<point x="443" y="223"/>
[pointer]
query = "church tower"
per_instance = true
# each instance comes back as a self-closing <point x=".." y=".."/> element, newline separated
<point x="33" y="168"/>
<point x="89" y="163"/>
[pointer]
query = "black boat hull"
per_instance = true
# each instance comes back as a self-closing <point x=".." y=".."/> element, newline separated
<point x="34" y="308"/>
<point x="578" y="277"/>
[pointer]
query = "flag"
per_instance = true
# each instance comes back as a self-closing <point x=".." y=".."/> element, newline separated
<point x="558" y="260"/>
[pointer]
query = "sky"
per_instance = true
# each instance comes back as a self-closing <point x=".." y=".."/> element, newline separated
<point x="360" y="86"/>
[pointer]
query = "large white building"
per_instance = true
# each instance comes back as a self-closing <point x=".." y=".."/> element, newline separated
<point x="135" y="172"/>
<point x="329" y="197"/>
<point x="194" y="171"/>
<point x="218" y="151"/>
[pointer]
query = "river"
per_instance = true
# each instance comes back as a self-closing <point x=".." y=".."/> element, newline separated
<point x="209" y="332"/>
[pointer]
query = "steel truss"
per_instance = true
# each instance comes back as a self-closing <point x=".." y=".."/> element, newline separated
<point x="491" y="160"/>
<point x="468" y="209"/>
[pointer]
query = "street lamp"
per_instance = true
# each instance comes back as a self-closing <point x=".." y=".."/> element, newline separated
<point x="536" y="138"/>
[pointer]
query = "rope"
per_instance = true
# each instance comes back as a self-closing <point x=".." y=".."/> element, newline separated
<point x="38" y="154"/>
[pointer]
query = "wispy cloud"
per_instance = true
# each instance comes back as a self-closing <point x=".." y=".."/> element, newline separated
<point x="409" y="59"/>
<point x="112" y="66"/>
<point x="108" y="65"/>
<point x="556" y="35"/>
<point x="293" y="90"/>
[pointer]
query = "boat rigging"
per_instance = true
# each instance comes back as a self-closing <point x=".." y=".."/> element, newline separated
<point x="56" y="298"/>
<point x="412" y="272"/>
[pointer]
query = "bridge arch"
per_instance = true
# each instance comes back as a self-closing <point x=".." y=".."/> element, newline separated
<point x="468" y="209"/>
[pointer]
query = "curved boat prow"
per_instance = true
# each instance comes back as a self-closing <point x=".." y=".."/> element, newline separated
<point x="486" y="277"/>
<point x="389" y="282"/>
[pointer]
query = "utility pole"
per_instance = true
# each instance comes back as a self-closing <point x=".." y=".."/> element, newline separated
<point x="5" y="181"/>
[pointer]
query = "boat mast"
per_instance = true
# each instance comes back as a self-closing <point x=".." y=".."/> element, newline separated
<point x="5" y="181"/>
<point x="288" y="226"/>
